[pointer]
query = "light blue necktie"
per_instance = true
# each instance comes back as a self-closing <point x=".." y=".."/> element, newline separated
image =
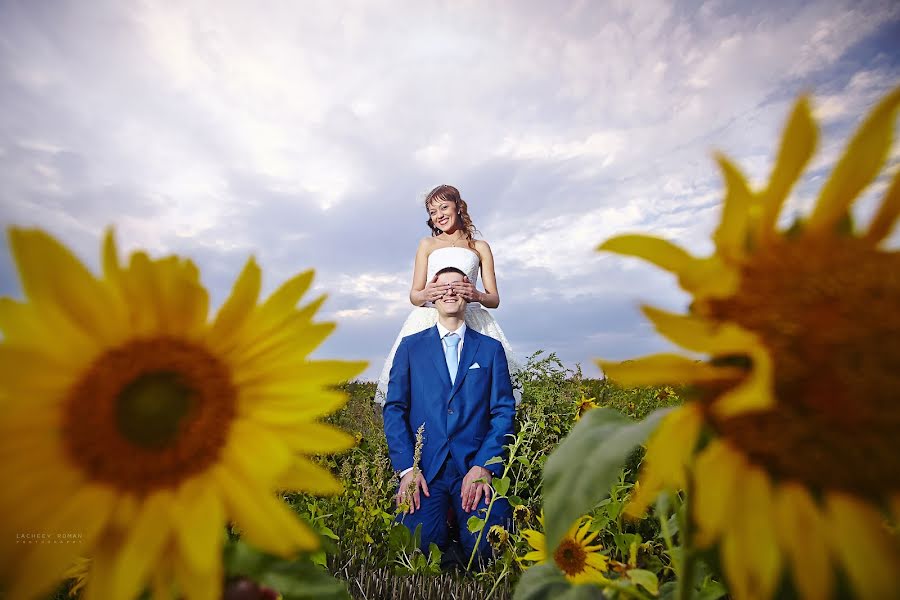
<point x="450" y="353"/>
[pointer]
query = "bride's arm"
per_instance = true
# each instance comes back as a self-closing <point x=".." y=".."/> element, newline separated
<point x="490" y="297"/>
<point x="423" y="291"/>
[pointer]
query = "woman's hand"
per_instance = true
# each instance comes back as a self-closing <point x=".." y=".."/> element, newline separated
<point x="465" y="289"/>
<point x="434" y="290"/>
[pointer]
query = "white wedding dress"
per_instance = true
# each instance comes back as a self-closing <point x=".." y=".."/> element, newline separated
<point x="477" y="317"/>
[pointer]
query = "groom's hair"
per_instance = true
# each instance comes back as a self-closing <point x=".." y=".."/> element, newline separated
<point x="450" y="270"/>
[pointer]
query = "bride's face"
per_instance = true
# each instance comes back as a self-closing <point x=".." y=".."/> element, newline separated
<point x="443" y="215"/>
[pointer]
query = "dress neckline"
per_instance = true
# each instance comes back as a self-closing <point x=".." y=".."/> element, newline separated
<point x="478" y="256"/>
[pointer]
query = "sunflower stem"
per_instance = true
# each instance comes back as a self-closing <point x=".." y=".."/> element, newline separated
<point x="688" y="554"/>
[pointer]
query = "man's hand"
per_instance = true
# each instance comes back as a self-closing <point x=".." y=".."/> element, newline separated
<point x="472" y="489"/>
<point x="408" y="493"/>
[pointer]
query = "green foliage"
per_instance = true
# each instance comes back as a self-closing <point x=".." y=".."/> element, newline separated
<point x="297" y="579"/>
<point x="585" y="465"/>
<point x="366" y="546"/>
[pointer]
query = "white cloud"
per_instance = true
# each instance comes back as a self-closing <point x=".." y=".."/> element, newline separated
<point x="306" y="133"/>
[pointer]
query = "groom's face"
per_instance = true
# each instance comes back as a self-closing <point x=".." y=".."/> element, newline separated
<point x="450" y="304"/>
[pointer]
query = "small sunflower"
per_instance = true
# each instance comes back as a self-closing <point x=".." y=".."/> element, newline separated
<point x="497" y="536"/>
<point x="576" y="557"/>
<point x="521" y="513"/>
<point x="129" y="419"/>
<point x="583" y="405"/>
<point x="800" y="398"/>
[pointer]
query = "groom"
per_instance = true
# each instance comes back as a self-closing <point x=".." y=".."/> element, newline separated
<point x="455" y="381"/>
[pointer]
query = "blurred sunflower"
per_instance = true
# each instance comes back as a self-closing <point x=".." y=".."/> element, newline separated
<point x="583" y="405"/>
<point x="801" y="395"/>
<point x="127" y="418"/>
<point x="576" y="557"/>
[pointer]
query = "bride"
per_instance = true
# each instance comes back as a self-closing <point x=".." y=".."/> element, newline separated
<point x="452" y="244"/>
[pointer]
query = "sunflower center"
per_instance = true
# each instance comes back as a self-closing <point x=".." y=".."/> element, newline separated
<point x="570" y="557"/>
<point x="149" y="414"/>
<point x="827" y="312"/>
<point x="150" y="409"/>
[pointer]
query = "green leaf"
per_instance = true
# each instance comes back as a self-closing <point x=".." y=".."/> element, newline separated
<point x="586" y="464"/>
<point x="646" y="579"/>
<point x="327" y="532"/>
<point x="475" y="524"/>
<point x="545" y="582"/>
<point x="434" y="554"/>
<point x="399" y="538"/>
<point x="524" y="461"/>
<point x="501" y="485"/>
<point x="242" y="559"/>
<point x="514" y="501"/>
<point x="494" y="461"/>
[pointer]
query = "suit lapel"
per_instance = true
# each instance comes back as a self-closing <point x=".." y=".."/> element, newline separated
<point x="435" y="348"/>
<point x="470" y="346"/>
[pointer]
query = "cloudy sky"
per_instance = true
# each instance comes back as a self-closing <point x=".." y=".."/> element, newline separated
<point x="307" y="133"/>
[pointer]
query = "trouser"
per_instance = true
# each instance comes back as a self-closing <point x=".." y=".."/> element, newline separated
<point x="444" y="493"/>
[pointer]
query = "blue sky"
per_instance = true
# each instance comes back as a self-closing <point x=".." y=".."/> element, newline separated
<point x="306" y="134"/>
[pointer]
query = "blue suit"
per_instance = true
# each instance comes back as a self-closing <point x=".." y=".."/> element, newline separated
<point x="466" y="424"/>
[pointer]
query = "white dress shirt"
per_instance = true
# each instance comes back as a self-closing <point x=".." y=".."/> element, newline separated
<point x="461" y="332"/>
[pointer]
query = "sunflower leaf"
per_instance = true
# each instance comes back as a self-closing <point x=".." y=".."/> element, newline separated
<point x="545" y="582"/>
<point x="586" y="463"/>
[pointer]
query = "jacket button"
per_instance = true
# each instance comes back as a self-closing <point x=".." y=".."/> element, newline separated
<point x="449" y="411"/>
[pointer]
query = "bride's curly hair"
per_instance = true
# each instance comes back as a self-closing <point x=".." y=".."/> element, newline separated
<point x="448" y="193"/>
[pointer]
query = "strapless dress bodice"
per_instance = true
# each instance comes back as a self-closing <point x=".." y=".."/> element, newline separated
<point x="464" y="259"/>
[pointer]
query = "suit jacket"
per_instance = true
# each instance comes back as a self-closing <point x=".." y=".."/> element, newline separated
<point x="467" y="421"/>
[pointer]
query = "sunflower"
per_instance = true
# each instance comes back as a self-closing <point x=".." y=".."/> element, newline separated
<point x="792" y="445"/>
<point x="521" y="513"/>
<point x="497" y="536"/>
<point x="583" y="405"/>
<point x="131" y="421"/>
<point x="576" y="557"/>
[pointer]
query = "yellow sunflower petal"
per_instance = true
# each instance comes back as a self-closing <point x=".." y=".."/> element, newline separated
<point x="314" y="438"/>
<point x="143" y="544"/>
<point x="282" y="301"/>
<point x="661" y="253"/>
<point x="47" y="332"/>
<point x="717" y="472"/>
<point x="269" y="456"/>
<point x="668" y="451"/>
<point x="797" y="146"/>
<point x="199" y="585"/>
<point x="55" y="280"/>
<point x="665" y="368"/>
<point x="198" y="515"/>
<point x="865" y="549"/>
<point x="755" y="392"/>
<point x="292" y="344"/>
<point x="886" y="217"/>
<point x="803" y="535"/>
<point x="859" y="165"/>
<point x="535" y="555"/>
<point x="305" y="476"/>
<point x="701" y="335"/>
<point x="265" y="521"/>
<point x="85" y="513"/>
<point x="731" y="235"/>
<point x="237" y="307"/>
<point x="537" y="541"/>
<point x="102" y="582"/>
<point x="750" y="551"/>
